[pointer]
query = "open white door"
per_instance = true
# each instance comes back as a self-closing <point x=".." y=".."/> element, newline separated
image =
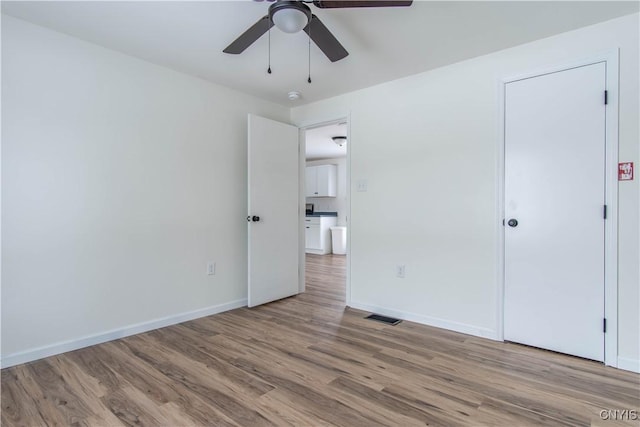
<point x="273" y="216"/>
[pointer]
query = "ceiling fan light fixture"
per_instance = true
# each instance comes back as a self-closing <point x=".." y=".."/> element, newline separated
<point x="290" y="16"/>
<point x="339" y="140"/>
<point x="290" y="20"/>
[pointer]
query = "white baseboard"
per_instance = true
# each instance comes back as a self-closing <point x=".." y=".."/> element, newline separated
<point x="75" y="344"/>
<point x="430" y="321"/>
<point x="632" y="365"/>
<point x="316" y="251"/>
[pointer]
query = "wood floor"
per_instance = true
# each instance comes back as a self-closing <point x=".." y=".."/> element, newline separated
<point x="308" y="361"/>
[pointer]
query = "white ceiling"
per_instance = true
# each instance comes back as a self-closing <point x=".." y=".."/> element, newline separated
<point x="384" y="43"/>
<point x="319" y="144"/>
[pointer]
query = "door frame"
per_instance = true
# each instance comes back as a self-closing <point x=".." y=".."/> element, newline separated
<point x="303" y="149"/>
<point x="610" y="58"/>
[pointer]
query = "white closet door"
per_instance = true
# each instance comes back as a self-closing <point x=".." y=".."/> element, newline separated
<point x="555" y="191"/>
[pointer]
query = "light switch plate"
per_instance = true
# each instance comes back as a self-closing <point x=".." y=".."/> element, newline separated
<point x="361" y="185"/>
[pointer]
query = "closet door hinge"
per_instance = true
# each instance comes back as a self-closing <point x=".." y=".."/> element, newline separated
<point x="606" y="97"/>
<point x="604" y="325"/>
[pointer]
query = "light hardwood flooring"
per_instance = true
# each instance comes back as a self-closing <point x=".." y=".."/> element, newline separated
<point x="308" y="361"/>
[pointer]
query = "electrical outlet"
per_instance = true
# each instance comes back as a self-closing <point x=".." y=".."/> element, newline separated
<point x="400" y="271"/>
<point x="211" y="268"/>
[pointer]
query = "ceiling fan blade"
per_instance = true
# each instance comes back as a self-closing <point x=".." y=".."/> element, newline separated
<point x="323" y="38"/>
<point x="247" y="38"/>
<point x="341" y="4"/>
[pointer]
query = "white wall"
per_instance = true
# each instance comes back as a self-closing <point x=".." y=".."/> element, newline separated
<point x="120" y="180"/>
<point x="432" y="191"/>
<point x="338" y="203"/>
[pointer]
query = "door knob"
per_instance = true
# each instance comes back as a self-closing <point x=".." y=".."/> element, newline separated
<point x="513" y="222"/>
<point x="255" y="218"/>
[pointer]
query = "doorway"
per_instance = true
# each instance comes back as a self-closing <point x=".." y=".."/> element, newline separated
<point x="326" y="191"/>
<point x="558" y="209"/>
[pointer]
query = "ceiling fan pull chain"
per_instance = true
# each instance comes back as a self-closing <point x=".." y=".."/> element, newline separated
<point x="269" y="69"/>
<point x="309" y="79"/>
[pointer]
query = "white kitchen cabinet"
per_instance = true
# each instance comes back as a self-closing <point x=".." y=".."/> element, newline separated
<point x="317" y="233"/>
<point x="321" y="181"/>
<point x="312" y="237"/>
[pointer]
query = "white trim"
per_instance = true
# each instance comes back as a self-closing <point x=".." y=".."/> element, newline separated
<point x="316" y="251"/>
<point x="138" y="328"/>
<point x="611" y="59"/>
<point x="463" y="328"/>
<point x="627" y="364"/>
<point x="348" y="216"/>
<point x="303" y="129"/>
<point x="611" y="199"/>
<point x="302" y="269"/>
<point x="500" y="217"/>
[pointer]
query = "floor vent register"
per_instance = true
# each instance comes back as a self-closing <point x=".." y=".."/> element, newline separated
<point x="384" y="319"/>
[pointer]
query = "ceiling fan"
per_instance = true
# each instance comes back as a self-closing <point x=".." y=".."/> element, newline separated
<point x="292" y="16"/>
